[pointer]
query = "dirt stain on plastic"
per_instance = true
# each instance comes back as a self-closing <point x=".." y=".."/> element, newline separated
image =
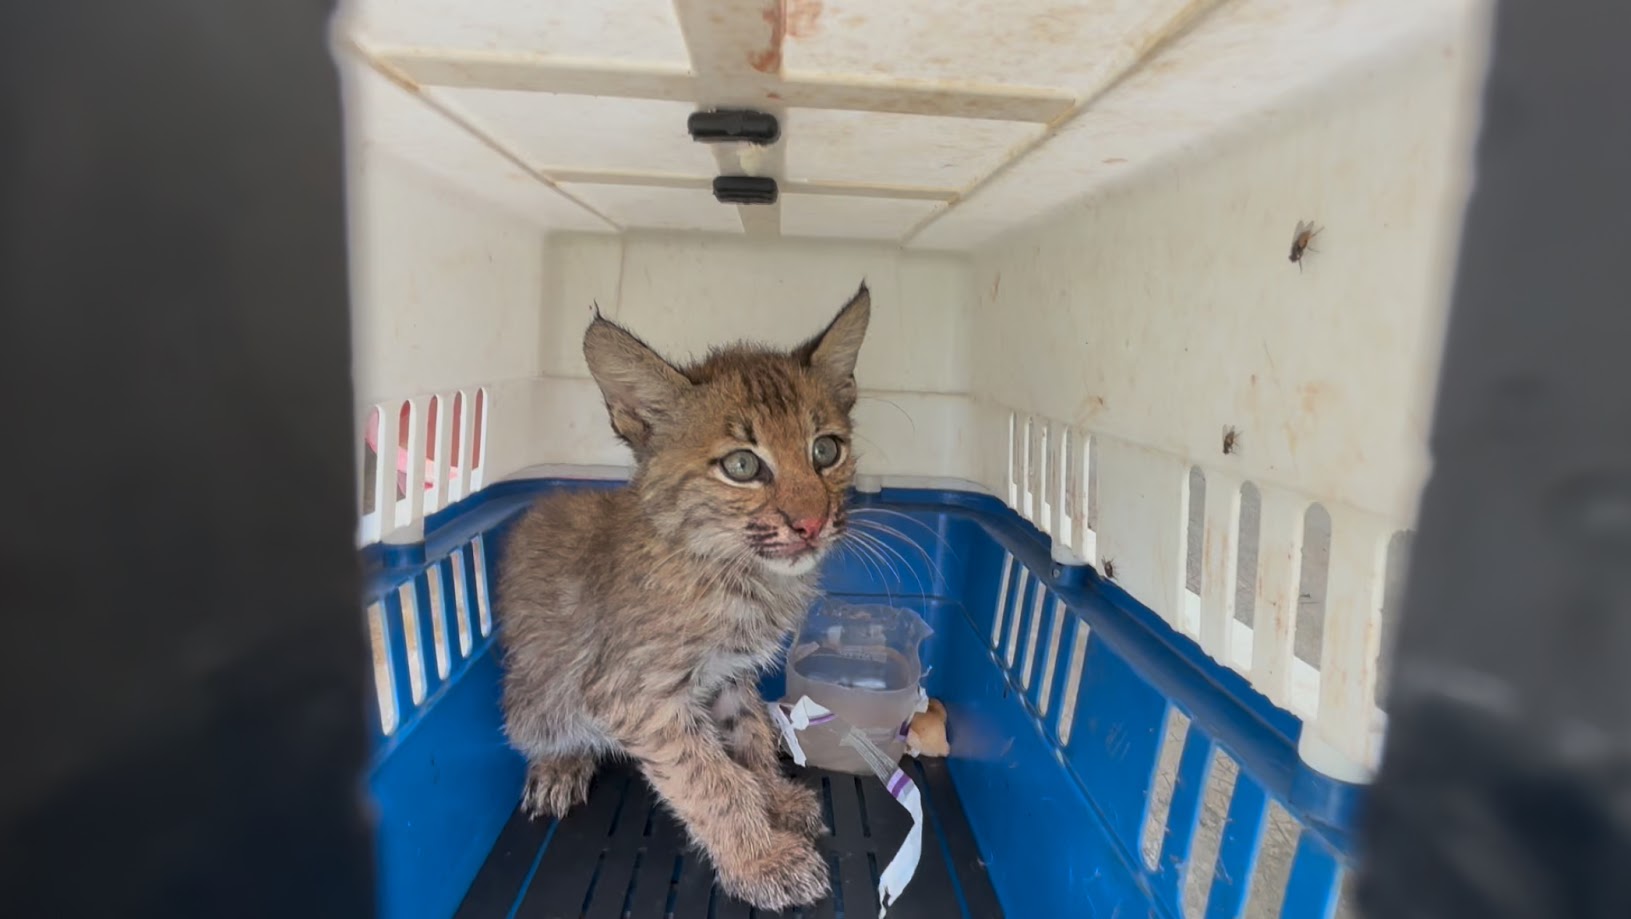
<point x="786" y="18"/>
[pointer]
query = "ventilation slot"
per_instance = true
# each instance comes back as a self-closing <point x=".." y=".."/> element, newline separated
<point x="1073" y="682"/>
<point x="1016" y="614"/>
<point x="458" y="474"/>
<point x="1090" y="476"/>
<point x="1398" y="566"/>
<point x="437" y="431"/>
<point x="371" y="474"/>
<point x="1043" y="604"/>
<point x="1050" y="660"/>
<point x="383" y="686"/>
<point x="1248" y="541"/>
<point x="1000" y="612"/>
<point x="478" y="443"/>
<point x="1044" y="479"/>
<point x="1067" y="486"/>
<point x="408" y="608"/>
<point x="1028" y="506"/>
<point x="410" y="444"/>
<point x="438" y="620"/>
<point x="1316" y="559"/>
<point x="1016" y="460"/>
<point x="461" y="599"/>
<point x="1194" y="532"/>
<point x="1275" y="855"/>
<point x="1208" y="842"/>
<point x="1162" y="785"/>
<point x="478" y="563"/>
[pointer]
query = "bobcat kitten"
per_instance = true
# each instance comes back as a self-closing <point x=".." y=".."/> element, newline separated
<point x="637" y="621"/>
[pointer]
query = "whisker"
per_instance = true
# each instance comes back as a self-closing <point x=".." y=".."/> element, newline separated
<point x="860" y="541"/>
<point x="887" y="530"/>
<point x="944" y="543"/>
<point x="880" y="528"/>
<point x="907" y="415"/>
<point x="878" y="563"/>
<point x="880" y="547"/>
<point x="860" y="551"/>
<point x="859" y="436"/>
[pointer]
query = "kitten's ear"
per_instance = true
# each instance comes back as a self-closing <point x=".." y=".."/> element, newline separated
<point x="639" y="386"/>
<point x="832" y="353"/>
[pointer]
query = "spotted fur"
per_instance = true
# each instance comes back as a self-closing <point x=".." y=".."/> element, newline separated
<point x="636" y="622"/>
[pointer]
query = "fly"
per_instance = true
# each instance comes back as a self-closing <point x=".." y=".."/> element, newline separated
<point x="1306" y="231"/>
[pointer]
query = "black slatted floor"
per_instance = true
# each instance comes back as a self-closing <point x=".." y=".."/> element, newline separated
<point x="621" y="856"/>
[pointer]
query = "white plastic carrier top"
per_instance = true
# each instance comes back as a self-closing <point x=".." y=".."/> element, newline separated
<point x="1076" y="217"/>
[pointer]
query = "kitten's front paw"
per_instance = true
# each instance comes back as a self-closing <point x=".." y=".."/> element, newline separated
<point x="791" y="874"/>
<point x="554" y="786"/>
<point x="796" y="807"/>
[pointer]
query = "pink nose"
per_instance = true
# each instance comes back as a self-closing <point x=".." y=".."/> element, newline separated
<point x="809" y="527"/>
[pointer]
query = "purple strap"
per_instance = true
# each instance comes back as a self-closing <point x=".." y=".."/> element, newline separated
<point x="897" y="784"/>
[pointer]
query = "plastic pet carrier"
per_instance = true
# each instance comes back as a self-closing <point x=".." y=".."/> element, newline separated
<point x="1157" y="296"/>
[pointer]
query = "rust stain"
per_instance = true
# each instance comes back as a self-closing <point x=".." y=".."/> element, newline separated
<point x="770" y="59"/>
<point x="1312" y="399"/>
<point x="1310" y="395"/>
<point x="1114" y="160"/>
<point x="795" y="18"/>
<point x="775" y="97"/>
<point x="803" y="17"/>
<point x="1089" y="407"/>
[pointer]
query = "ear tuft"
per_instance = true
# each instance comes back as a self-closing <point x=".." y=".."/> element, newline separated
<point x="640" y="388"/>
<point x="833" y="353"/>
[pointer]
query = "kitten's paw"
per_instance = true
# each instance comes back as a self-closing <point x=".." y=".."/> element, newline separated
<point x="554" y="786"/>
<point x="792" y="873"/>
<point x="796" y="807"/>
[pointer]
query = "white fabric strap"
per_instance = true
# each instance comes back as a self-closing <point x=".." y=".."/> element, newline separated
<point x="898" y="873"/>
<point x="900" y="870"/>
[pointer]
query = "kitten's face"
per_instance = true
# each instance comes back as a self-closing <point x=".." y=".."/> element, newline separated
<point x="757" y="463"/>
<point x="746" y="456"/>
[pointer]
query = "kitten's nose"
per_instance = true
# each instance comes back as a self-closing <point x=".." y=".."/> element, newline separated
<point x="809" y="527"/>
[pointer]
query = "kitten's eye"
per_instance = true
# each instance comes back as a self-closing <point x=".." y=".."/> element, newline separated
<point x="825" y="451"/>
<point x="741" y="466"/>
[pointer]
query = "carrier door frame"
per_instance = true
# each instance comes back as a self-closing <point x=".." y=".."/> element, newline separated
<point x="1504" y="785"/>
<point x="183" y="665"/>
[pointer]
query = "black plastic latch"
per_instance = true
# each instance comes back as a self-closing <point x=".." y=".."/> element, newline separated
<point x="734" y="126"/>
<point x="744" y="190"/>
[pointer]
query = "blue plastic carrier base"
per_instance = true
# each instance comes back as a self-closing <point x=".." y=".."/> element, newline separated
<point x="1106" y="767"/>
<point x="622" y="856"/>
